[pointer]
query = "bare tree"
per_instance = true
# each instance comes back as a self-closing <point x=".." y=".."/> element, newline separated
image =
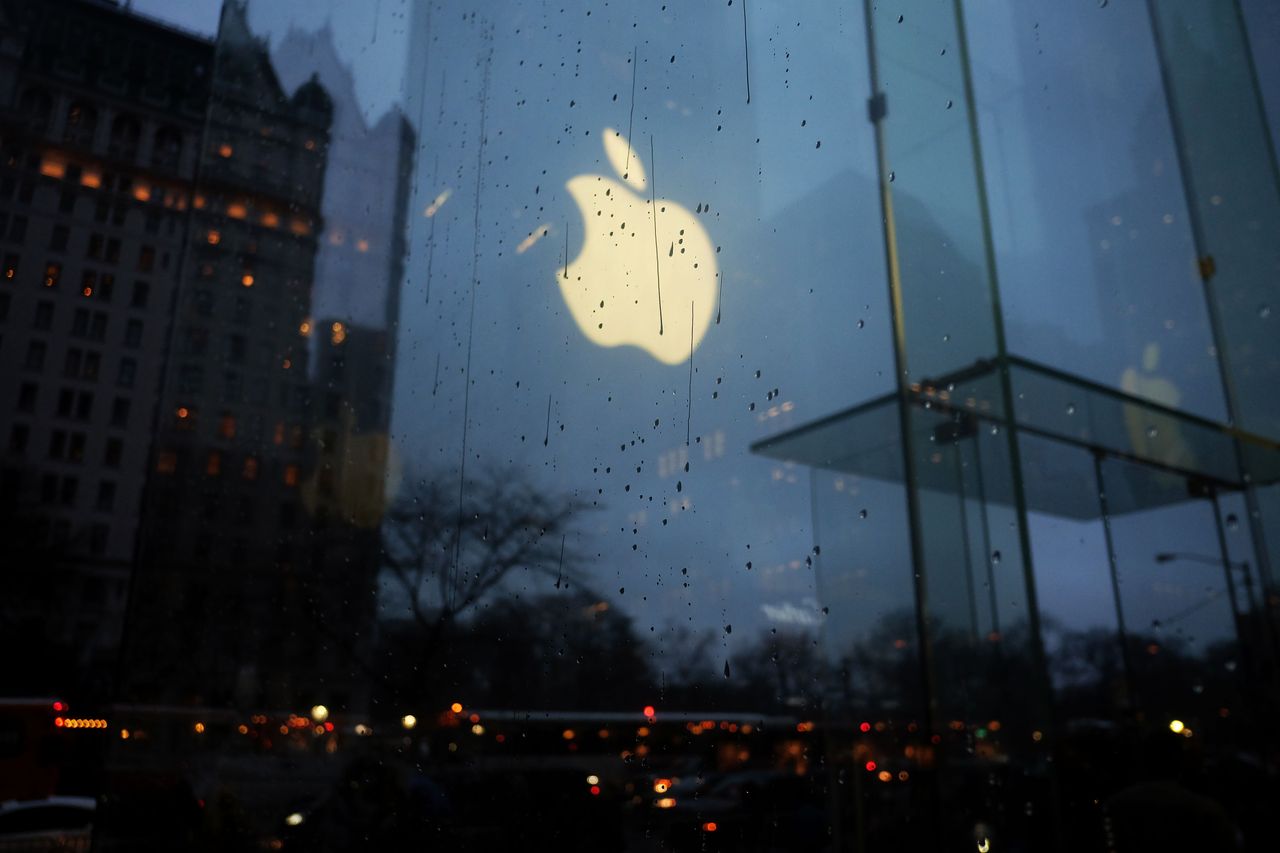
<point x="445" y="556"/>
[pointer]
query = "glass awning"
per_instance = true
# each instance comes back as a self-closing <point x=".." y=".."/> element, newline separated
<point x="1192" y="455"/>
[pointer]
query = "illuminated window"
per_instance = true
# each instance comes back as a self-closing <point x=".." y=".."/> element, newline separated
<point x="52" y="272"/>
<point x="213" y="465"/>
<point x="9" y="268"/>
<point x="167" y="462"/>
<point x="225" y="150"/>
<point x="214" y="237"/>
<point x="270" y="220"/>
<point x="236" y="210"/>
<point x="337" y="333"/>
<point x="51" y="168"/>
<point x="227" y="426"/>
<point x="250" y="469"/>
<point x="291" y="475"/>
<point x="277" y="436"/>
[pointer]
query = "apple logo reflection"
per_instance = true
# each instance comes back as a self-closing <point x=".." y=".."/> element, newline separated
<point x="646" y="273"/>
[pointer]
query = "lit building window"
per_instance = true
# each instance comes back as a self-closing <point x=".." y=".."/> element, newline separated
<point x="167" y="462"/>
<point x="214" y="237"/>
<point x="250" y="470"/>
<point x="225" y="150"/>
<point x="52" y="272"/>
<point x="337" y="333"/>
<point x="52" y="168"/>
<point x="278" y="436"/>
<point x="270" y="220"/>
<point x="227" y="426"/>
<point x="236" y="210"/>
<point x="213" y="465"/>
<point x="291" y="475"/>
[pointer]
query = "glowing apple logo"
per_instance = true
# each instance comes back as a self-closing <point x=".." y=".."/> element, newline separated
<point x="646" y="274"/>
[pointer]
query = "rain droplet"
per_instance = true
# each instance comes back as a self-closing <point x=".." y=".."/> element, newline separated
<point x="995" y="556"/>
<point x="949" y="103"/>
<point x="892" y="175"/>
<point x="861" y="323"/>
<point x="1071" y="408"/>
<point x="1232" y="522"/>
<point x="1152" y="432"/>
<point x="862" y="513"/>
<point x="1264" y="312"/>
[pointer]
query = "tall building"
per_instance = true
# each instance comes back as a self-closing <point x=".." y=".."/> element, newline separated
<point x="226" y="533"/>
<point x="100" y="142"/>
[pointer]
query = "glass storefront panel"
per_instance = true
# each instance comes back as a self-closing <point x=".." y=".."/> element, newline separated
<point x="661" y="426"/>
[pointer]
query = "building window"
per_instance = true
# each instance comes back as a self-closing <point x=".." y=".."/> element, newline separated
<point x="106" y="495"/>
<point x="5" y="299"/>
<point x="80" y="323"/>
<point x="166" y="462"/>
<point x="203" y="300"/>
<point x="141" y="290"/>
<point x="125" y="131"/>
<point x="57" y="444"/>
<point x="133" y="334"/>
<point x="66" y="401"/>
<point x="146" y="258"/>
<point x="106" y="286"/>
<point x="113" y="251"/>
<point x="250" y="469"/>
<point x="92" y="361"/>
<point x="18" y="439"/>
<point x="167" y="148"/>
<point x="58" y="239"/>
<point x="27" y="394"/>
<point x="84" y="405"/>
<point x="36" y="108"/>
<point x="213" y="465"/>
<point x="52" y="272"/>
<point x="72" y="363"/>
<point x="291" y="475"/>
<point x="35" y="355"/>
<point x="227" y="426"/>
<point x="94" y="249"/>
<point x="98" y="326"/>
<point x="75" y="447"/>
<point x="113" y="452"/>
<point x="88" y="283"/>
<point x="127" y="372"/>
<point x="120" y="412"/>
<point x="18" y="230"/>
<point x="9" y="269"/>
<point x="82" y="123"/>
